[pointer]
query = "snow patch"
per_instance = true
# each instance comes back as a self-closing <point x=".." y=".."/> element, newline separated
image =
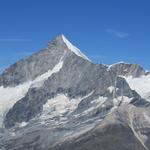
<point x="121" y="100"/>
<point x="23" y="124"/>
<point x="73" y="48"/>
<point x="60" y="105"/>
<point x="141" y="85"/>
<point x="112" y="89"/>
<point x="38" y="82"/>
<point x="99" y="102"/>
<point x="9" y="96"/>
<point x="121" y="62"/>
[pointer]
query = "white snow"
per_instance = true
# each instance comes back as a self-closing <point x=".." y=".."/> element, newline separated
<point x="40" y="80"/>
<point x="60" y="105"/>
<point x="99" y="102"/>
<point x="74" y="49"/>
<point x="23" y="124"/>
<point x="87" y="111"/>
<point x="141" y="85"/>
<point x="10" y="95"/>
<point x="122" y="100"/>
<point x="121" y="62"/>
<point x="111" y="89"/>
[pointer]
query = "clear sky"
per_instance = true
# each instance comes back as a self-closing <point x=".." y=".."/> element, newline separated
<point x="107" y="31"/>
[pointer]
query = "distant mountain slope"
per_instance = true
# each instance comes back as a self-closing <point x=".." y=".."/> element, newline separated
<point x="126" y="69"/>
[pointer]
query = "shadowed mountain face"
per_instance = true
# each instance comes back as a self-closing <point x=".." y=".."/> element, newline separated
<point x="58" y="99"/>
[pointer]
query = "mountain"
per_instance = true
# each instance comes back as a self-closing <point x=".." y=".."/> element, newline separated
<point x="126" y="69"/>
<point x="58" y="99"/>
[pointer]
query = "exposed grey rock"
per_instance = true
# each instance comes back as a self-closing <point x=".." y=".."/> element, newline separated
<point x="39" y="63"/>
<point x="121" y="130"/>
<point x="125" y="69"/>
<point x="77" y="78"/>
<point x="112" y="137"/>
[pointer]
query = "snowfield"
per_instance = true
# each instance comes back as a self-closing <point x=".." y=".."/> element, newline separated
<point x="60" y="105"/>
<point x="141" y="85"/>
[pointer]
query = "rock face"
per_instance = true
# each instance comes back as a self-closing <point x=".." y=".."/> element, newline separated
<point x="125" y="69"/>
<point x="71" y="103"/>
<point x="123" y="130"/>
<point x="76" y="78"/>
<point x="37" y="64"/>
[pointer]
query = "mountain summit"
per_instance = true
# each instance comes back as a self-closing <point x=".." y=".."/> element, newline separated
<point x="61" y="39"/>
<point x="58" y="99"/>
<point x="40" y="62"/>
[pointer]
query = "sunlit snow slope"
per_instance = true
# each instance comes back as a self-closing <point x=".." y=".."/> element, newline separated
<point x="141" y="85"/>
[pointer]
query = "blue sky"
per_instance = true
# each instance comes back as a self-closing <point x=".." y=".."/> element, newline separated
<point x="107" y="31"/>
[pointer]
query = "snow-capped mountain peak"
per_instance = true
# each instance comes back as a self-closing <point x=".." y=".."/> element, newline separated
<point x="73" y="48"/>
<point x="56" y="97"/>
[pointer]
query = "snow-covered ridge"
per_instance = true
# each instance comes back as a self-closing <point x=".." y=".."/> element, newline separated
<point x="74" y="49"/>
<point x="121" y="62"/>
<point x="40" y="79"/>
